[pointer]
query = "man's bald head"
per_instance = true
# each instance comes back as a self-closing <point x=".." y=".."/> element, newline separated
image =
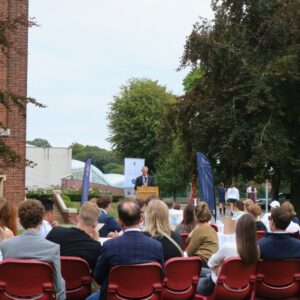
<point x="129" y="212"/>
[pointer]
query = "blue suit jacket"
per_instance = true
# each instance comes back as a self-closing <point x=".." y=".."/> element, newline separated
<point x="279" y="246"/>
<point x="110" y="224"/>
<point x="133" y="247"/>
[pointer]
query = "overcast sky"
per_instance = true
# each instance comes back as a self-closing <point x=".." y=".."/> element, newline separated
<point x="84" y="50"/>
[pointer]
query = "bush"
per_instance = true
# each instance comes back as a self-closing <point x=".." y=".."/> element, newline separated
<point x="68" y="201"/>
<point x="117" y="198"/>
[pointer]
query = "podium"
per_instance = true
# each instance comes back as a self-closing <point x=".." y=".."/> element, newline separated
<point x="143" y="192"/>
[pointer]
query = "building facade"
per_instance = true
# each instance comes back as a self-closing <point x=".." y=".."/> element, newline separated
<point x="13" y="79"/>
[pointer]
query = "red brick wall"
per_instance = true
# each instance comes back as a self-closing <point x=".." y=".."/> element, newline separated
<point x="77" y="184"/>
<point x="13" y="78"/>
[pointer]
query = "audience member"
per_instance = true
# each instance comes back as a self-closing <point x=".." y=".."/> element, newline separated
<point x="133" y="247"/>
<point x="279" y="244"/>
<point x="247" y="203"/>
<point x="158" y="227"/>
<point x="49" y="218"/>
<point x="245" y="247"/>
<point x="255" y="211"/>
<point x="142" y="204"/>
<point x="221" y="193"/>
<point x="8" y="219"/>
<point x="203" y="240"/>
<point x="177" y="206"/>
<point x="175" y="216"/>
<point x="110" y="224"/>
<point x="232" y="195"/>
<point x="82" y="240"/>
<point x="29" y="245"/>
<point x="265" y="218"/>
<point x="294" y="225"/>
<point x="189" y="222"/>
<point x="238" y="209"/>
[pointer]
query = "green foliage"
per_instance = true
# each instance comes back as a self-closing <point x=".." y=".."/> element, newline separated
<point x="244" y="111"/>
<point x="39" y="143"/>
<point x="172" y="171"/>
<point x="191" y="80"/>
<point x="39" y="194"/>
<point x="68" y="201"/>
<point x="135" y="117"/>
<point x="106" y="161"/>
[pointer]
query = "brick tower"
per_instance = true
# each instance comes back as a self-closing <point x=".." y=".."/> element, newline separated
<point x="13" y="79"/>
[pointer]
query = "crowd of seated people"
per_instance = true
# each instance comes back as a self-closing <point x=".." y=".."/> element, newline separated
<point x="144" y="234"/>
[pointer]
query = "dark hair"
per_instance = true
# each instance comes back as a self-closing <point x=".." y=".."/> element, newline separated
<point x="129" y="212"/>
<point x="8" y="217"/>
<point x="239" y="205"/>
<point x="141" y="202"/>
<point x="177" y="206"/>
<point x="170" y="203"/>
<point x="103" y="201"/>
<point x="48" y="204"/>
<point x="150" y="198"/>
<point x="281" y="217"/>
<point x="31" y="213"/>
<point x="189" y="220"/>
<point x="202" y="212"/>
<point x="246" y="239"/>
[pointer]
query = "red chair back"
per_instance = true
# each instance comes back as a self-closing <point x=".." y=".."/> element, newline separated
<point x="26" y="279"/>
<point x="182" y="276"/>
<point x="141" y="281"/>
<point x="184" y="237"/>
<point x="260" y="234"/>
<point x="236" y="280"/>
<point x="77" y="275"/>
<point x="215" y="227"/>
<point x="278" y="279"/>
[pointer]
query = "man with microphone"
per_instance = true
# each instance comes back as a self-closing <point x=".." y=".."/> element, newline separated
<point x="144" y="179"/>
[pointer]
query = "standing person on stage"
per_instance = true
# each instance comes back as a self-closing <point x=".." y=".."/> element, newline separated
<point x="251" y="192"/>
<point x="222" y="192"/>
<point x="144" y="179"/>
<point x="232" y="195"/>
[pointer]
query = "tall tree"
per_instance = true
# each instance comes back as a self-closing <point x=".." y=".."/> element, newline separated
<point x="42" y="143"/>
<point x="135" y="116"/>
<point x="244" y="111"/>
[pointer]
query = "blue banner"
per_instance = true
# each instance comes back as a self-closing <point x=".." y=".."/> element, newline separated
<point x="206" y="182"/>
<point x="86" y="181"/>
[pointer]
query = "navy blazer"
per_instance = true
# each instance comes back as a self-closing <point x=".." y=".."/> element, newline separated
<point x="279" y="246"/>
<point x="139" y="181"/>
<point x="133" y="247"/>
<point x="110" y="224"/>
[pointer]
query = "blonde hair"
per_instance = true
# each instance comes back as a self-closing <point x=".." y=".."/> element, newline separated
<point x="202" y="212"/>
<point x="290" y="207"/>
<point x="254" y="210"/>
<point x="89" y="213"/>
<point x="247" y="204"/>
<point x="157" y="219"/>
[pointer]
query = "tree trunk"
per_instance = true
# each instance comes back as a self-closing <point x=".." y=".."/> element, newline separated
<point x="295" y="191"/>
<point x="276" y="181"/>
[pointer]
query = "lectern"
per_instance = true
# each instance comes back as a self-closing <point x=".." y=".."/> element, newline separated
<point x="143" y="192"/>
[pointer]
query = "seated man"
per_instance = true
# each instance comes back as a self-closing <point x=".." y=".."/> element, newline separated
<point x="29" y="245"/>
<point x="279" y="244"/>
<point x="133" y="247"/>
<point x="110" y="224"/>
<point x="49" y="219"/>
<point x="82" y="240"/>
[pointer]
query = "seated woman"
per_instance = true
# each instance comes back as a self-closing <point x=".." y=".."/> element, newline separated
<point x="245" y="247"/>
<point x="157" y="226"/>
<point x="203" y="239"/>
<point x="189" y="222"/>
<point x="238" y="209"/>
<point x="255" y="211"/>
<point x="8" y="219"/>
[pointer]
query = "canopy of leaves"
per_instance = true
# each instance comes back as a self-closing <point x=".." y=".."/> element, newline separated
<point x="104" y="160"/>
<point x="135" y="117"/>
<point x="244" y="111"/>
<point x="39" y="143"/>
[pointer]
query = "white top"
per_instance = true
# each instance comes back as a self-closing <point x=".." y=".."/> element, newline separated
<point x="249" y="190"/>
<point x="293" y="227"/>
<point x="45" y="229"/>
<point x="175" y="217"/>
<point x="226" y="250"/>
<point x="265" y="220"/>
<point x="232" y="193"/>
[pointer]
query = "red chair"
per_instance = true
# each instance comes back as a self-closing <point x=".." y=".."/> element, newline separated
<point x="77" y="275"/>
<point x="260" y="234"/>
<point x="26" y="279"/>
<point x="185" y="243"/>
<point x="182" y="276"/>
<point x="215" y="227"/>
<point x="235" y="282"/>
<point x="278" y="279"/>
<point x="142" y="281"/>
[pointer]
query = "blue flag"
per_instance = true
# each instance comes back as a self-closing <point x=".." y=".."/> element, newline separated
<point x="86" y="181"/>
<point x="206" y="182"/>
